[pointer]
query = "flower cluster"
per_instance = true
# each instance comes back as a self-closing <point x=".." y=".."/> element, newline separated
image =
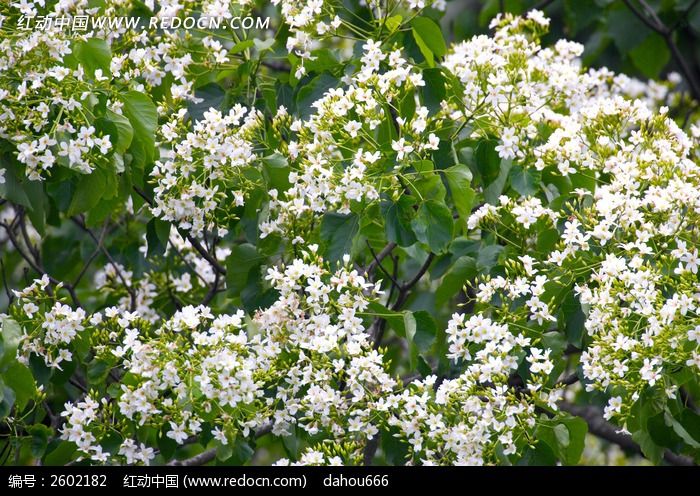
<point x="335" y="158"/>
<point x="624" y="242"/>
<point x="286" y="367"/>
<point x="312" y="21"/>
<point x="50" y="326"/>
<point x="206" y="172"/>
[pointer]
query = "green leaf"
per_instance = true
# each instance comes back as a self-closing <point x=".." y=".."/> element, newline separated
<point x="434" y="89"/>
<point x="157" y="236"/>
<point x="277" y="171"/>
<point x="211" y="95"/>
<point x="397" y="320"/>
<point x="424" y="48"/>
<point x="397" y="221"/>
<point x="434" y="225"/>
<point x="421" y="330"/>
<point x="427" y="30"/>
<point x="143" y="116"/>
<point x="459" y="179"/>
<point x="239" y="265"/>
<point x="7" y="399"/>
<point x="650" y="449"/>
<point x="13" y="187"/>
<point x="488" y="162"/>
<point x="494" y="190"/>
<point x="166" y="445"/>
<point x="463" y="271"/>
<point x="88" y="192"/>
<point x="651" y="56"/>
<point x="241" y="452"/>
<point x="396" y="449"/>
<point x="11" y="335"/>
<point x="681" y="430"/>
<point x="428" y="184"/>
<point x="242" y="46"/>
<point x="59" y="453"/>
<point x="524" y="180"/>
<point x="561" y="433"/>
<point x="311" y="92"/>
<point x="393" y="23"/>
<point x="20" y="380"/>
<point x="625" y="28"/>
<point x="337" y="233"/>
<point x="40" y="439"/>
<point x="488" y="257"/>
<point x="97" y="371"/>
<point x="577" y="428"/>
<point x="565" y="436"/>
<point x="94" y="54"/>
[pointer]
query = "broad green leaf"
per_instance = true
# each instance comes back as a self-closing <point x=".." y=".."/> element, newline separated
<point x="488" y="257"/>
<point x="397" y="221"/>
<point x="7" y="399"/>
<point x="143" y="116"/>
<point x="277" y="171"/>
<point x="565" y="436"/>
<point x="651" y="56"/>
<point x="242" y="46"/>
<point x="524" y="180"/>
<point x="650" y="449"/>
<point x="488" y="162"/>
<point x="495" y="189"/>
<point x="691" y="438"/>
<point x="94" y="54"/>
<point x="337" y="233"/>
<point x="88" y="192"/>
<point x="40" y="438"/>
<point x="459" y="179"/>
<point x="434" y="225"/>
<point x="421" y="331"/>
<point x="393" y="23"/>
<point x="312" y="91"/>
<point x="397" y="320"/>
<point x="13" y="188"/>
<point x="239" y="265"/>
<point x="461" y="273"/>
<point x="157" y="236"/>
<point x="210" y="95"/>
<point x="11" y="335"/>
<point x="424" y="48"/>
<point x="430" y="33"/>
<point x="625" y="28"/>
<point x="20" y="380"/>
<point x="434" y="89"/>
<point x="577" y="429"/>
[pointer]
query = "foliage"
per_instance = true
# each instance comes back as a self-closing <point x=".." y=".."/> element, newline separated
<point x="347" y="239"/>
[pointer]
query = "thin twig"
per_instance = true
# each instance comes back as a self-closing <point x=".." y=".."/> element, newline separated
<point x="653" y="22"/>
<point x="129" y="289"/>
<point x="195" y="244"/>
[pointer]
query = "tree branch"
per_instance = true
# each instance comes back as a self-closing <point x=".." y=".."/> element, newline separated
<point x="598" y="426"/>
<point x="98" y="243"/>
<point x="195" y="244"/>
<point x="653" y="22"/>
<point x="208" y="455"/>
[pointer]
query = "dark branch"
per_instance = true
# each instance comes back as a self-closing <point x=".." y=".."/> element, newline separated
<point x="195" y="244"/>
<point x="208" y="455"/>
<point x="598" y="426"/>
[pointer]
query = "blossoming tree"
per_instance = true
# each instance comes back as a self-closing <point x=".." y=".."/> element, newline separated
<point x="339" y="241"/>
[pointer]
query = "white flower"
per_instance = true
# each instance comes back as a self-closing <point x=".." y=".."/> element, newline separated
<point x="177" y="432"/>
